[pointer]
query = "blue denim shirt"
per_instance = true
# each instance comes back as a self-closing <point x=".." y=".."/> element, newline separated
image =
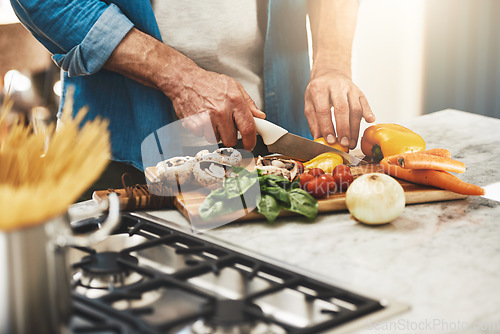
<point x="81" y="35"/>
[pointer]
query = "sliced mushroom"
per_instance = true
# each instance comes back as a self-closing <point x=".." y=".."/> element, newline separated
<point x="200" y="154"/>
<point x="230" y="156"/>
<point x="266" y="170"/>
<point x="179" y="169"/>
<point x="205" y="168"/>
<point x="277" y="166"/>
<point x="208" y="173"/>
<point x="214" y="157"/>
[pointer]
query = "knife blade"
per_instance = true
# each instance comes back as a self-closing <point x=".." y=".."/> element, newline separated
<point x="279" y="140"/>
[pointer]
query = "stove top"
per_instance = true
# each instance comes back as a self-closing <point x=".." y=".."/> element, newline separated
<point x="151" y="278"/>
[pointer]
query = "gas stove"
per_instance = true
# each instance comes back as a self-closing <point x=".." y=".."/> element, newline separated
<point x="149" y="277"/>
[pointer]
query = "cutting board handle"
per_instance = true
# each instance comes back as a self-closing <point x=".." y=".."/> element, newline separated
<point x="269" y="132"/>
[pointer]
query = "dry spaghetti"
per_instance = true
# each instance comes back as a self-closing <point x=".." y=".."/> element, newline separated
<point x="41" y="176"/>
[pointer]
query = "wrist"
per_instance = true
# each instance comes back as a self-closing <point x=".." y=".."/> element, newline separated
<point x="173" y="72"/>
<point x="331" y="65"/>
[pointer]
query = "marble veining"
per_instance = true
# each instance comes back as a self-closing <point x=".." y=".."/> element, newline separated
<point x="443" y="259"/>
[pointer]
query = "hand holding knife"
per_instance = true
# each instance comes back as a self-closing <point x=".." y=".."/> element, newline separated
<point x="279" y="140"/>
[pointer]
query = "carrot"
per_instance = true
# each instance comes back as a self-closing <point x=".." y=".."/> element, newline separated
<point x="442" y="152"/>
<point x="429" y="177"/>
<point x="428" y="161"/>
<point x="393" y="159"/>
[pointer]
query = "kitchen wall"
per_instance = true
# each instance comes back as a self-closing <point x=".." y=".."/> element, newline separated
<point x="388" y="57"/>
<point x="26" y="68"/>
<point x="418" y="56"/>
<point x="7" y="15"/>
<point x="462" y="56"/>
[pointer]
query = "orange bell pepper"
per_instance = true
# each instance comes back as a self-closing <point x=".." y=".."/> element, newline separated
<point x="383" y="140"/>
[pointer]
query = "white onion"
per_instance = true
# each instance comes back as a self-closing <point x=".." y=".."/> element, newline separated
<point x="375" y="198"/>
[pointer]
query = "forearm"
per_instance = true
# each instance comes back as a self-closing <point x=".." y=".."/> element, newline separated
<point x="333" y="23"/>
<point x="150" y="62"/>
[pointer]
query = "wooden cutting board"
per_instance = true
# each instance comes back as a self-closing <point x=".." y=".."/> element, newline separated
<point x="188" y="202"/>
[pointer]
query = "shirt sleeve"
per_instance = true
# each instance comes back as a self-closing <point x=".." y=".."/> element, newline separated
<point x="81" y="35"/>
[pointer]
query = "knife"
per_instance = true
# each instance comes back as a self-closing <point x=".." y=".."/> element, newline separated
<point x="279" y="140"/>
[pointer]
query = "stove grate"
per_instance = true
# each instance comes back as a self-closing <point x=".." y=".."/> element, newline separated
<point x="208" y="283"/>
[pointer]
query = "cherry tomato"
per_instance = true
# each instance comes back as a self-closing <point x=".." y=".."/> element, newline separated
<point x="342" y="176"/>
<point x="300" y="167"/>
<point x="304" y="179"/>
<point x="341" y="168"/>
<point x="316" y="171"/>
<point x="330" y="181"/>
<point x="317" y="187"/>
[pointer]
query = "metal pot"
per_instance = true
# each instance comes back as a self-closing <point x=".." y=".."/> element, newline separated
<point x="35" y="292"/>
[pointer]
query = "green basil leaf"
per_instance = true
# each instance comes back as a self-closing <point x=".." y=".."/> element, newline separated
<point x="280" y="194"/>
<point x="303" y="203"/>
<point x="282" y="185"/>
<point x="238" y="185"/>
<point x="217" y="194"/>
<point x="262" y="179"/>
<point x="295" y="184"/>
<point x="276" y="178"/>
<point x="239" y="170"/>
<point x="213" y="206"/>
<point x="269" y="207"/>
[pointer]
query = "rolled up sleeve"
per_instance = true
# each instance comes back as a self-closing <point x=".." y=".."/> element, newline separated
<point x="80" y="35"/>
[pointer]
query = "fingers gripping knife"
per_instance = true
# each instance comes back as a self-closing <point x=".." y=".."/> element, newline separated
<point x="279" y="140"/>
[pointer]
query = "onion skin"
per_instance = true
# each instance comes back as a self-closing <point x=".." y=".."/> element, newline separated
<point x="375" y="199"/>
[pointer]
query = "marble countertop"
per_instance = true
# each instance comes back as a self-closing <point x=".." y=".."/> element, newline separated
<point x="442" y="259"/>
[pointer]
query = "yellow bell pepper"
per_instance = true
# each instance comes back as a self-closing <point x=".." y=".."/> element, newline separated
<point x="326" y="161"/>
<point x="383" y="140"/>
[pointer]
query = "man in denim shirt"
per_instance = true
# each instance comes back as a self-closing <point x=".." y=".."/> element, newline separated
<point x="112" y="52"/>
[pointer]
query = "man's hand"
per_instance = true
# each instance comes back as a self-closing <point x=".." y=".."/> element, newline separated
<point x="192" y="89"/>
<point x="332" y="27"/>
<point x="329" y="88"/>
<point x="225" y="100"/>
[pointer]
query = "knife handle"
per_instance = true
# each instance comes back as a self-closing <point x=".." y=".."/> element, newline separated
<point x="269" y="132"/>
